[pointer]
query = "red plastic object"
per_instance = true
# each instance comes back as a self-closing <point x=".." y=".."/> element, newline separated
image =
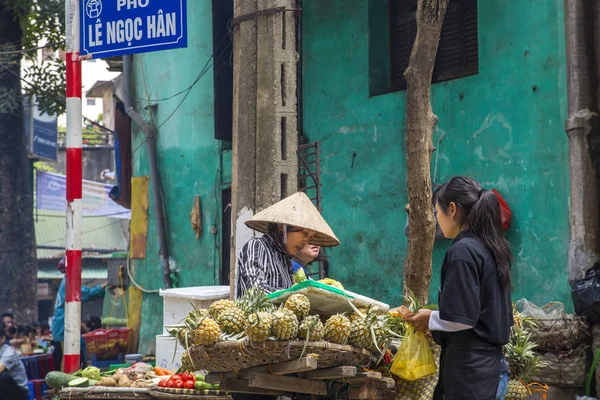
<point x="107" y="344"/>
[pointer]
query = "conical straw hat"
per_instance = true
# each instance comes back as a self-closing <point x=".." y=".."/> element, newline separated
<point x="295" y="210"/>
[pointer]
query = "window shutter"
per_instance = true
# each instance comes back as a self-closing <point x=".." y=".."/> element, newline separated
<point x="403" y="29"/>
<point x="458" y="50"/>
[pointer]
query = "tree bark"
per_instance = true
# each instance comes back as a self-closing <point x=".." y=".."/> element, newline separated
<point x="420" y="121"/>
<point x="18" y="263"/>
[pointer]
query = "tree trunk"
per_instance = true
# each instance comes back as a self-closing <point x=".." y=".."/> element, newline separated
<point x="18" y="264"/>
<point x="420" y="121"/>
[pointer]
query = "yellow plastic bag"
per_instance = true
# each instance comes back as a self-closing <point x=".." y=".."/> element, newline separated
<point x="414" y="359"/>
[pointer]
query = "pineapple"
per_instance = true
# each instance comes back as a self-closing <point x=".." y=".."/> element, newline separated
<point x="184" y="337"/>
<point x="311" y="328"/>
<point x="299" y="305"/>
<point x="368" y="331"/>
<point x="207" y="332"/>
<point x="360" y="334"/>
<point x="300" y="276"/>
<point x="253" y="301"/>
<point x="356" y="316"/>
<point x="186" y="362"/>
<point x="232" y="320"/>
<point x="218" y="307"/>
<point x="337" y="329"/>
<point x="259" y="326"/>
<point x="522" y="361"/>
<point x="285" y="325"/>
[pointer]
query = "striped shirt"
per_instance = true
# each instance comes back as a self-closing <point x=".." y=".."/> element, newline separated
<point x="264" y="263"/>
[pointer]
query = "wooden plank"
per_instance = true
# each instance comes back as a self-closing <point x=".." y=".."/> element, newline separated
<point x="287" y="384"/>
<point x="291" y="367"/>
<point x="216" y="377"/>
<point x="333" y="373"/>
<point x="241" y="386"/>
<point x="363" y="377"/>
<point x="295" y="366"/>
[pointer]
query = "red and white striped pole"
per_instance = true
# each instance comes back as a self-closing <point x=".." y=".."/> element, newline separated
<point x="71" y="348"/>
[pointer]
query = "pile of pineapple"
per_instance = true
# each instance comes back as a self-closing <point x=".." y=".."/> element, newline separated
<point x="255" y="318"/>
<point x="522" y="360"/>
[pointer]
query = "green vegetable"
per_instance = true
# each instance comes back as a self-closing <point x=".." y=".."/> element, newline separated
<point x="91" y="373"/>
<point x="199" y="377"/>
<point x="79" y="382"/>
<point x="57" y="379"/>
<point x="202" y="385"/>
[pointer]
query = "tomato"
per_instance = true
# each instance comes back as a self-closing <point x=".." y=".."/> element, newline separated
<point x="169" y="384"/>
<point x="176" y="377"/>
<point x="184" y="376"/>
<point x="191" y="378"/>
<point x="189" y="384"/>
<point x="161" y="383"/>
<point x="178" y="384"/>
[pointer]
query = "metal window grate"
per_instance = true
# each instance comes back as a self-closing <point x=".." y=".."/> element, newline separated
<point x="309" y="182"/>
<point x="309" y="170"/>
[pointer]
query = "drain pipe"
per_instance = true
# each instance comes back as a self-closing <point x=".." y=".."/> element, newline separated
<point x="581" y="127"/>
<point x="157" y="194"/>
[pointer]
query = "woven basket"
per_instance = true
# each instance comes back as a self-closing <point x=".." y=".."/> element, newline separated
<point x="237" y="355"/>
<point x="560" y="334"/>
<point x="565" y="369"/>
<point x="421" y="389"/>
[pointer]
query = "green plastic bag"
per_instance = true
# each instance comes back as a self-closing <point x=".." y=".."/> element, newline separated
<point x="414" y="359"/>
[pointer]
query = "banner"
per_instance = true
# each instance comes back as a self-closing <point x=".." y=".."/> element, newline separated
<point x="51" y="195"/>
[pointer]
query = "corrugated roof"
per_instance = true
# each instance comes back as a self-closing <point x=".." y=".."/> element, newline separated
<point x="102" y="233"/>
<point x="99" y="273"/>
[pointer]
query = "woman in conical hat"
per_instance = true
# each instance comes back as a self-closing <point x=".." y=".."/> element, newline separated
<point x="287" y="226"/>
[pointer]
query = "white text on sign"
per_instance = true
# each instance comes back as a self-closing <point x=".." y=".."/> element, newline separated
<point x="126" y="30"/>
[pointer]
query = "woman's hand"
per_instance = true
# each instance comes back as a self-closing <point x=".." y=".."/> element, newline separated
<point x="420" y="321"/>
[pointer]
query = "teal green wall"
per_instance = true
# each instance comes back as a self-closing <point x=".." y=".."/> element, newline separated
<point x="503" y="132"/>
<point x="189" y="163"/>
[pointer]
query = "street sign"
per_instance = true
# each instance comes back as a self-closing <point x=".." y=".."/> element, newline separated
<point x="112" y="28"/>
<point x="41" y="131"/>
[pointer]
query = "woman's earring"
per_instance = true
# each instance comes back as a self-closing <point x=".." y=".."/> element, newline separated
<point x="285" y="234"/>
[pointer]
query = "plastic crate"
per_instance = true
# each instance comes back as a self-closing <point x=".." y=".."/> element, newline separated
<point x="107" y="344"/>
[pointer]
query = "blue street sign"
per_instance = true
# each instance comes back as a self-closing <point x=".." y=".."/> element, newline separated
<point x="112" y="28"/>
<point x="41" y="131"/>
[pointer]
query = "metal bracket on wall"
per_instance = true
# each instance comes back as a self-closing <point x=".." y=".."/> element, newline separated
<point x="260" y="13"/>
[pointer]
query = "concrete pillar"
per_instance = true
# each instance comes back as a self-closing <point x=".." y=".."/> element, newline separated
<point x="276" y="135"/>
<point x="265" y="136"/>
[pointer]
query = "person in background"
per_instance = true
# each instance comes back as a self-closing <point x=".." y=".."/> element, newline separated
<point x="304" y="257"/>
<point x="15" y="339"/>
<point x="93" y="323"/>
<point x="13" y="378"/>
<point x="8" y="319"/>
<point x="474" y="300"/>
<point x="58" y="320"/>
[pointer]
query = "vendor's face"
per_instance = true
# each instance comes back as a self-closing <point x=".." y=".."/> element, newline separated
<point x="296" y="240"/>
<point x="308" y="253"/>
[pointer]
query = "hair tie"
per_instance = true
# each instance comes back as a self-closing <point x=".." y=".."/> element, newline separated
<point x="481" y="193"/>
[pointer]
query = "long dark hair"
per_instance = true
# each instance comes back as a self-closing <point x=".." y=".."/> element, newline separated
<point x="480" y="213"/>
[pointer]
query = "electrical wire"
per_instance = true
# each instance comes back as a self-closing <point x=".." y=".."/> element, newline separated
<point x="190" y="86"/>
<point x="30" y="49"/>
<point x="133" y="280"/>
<point x="57" y="99"/>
